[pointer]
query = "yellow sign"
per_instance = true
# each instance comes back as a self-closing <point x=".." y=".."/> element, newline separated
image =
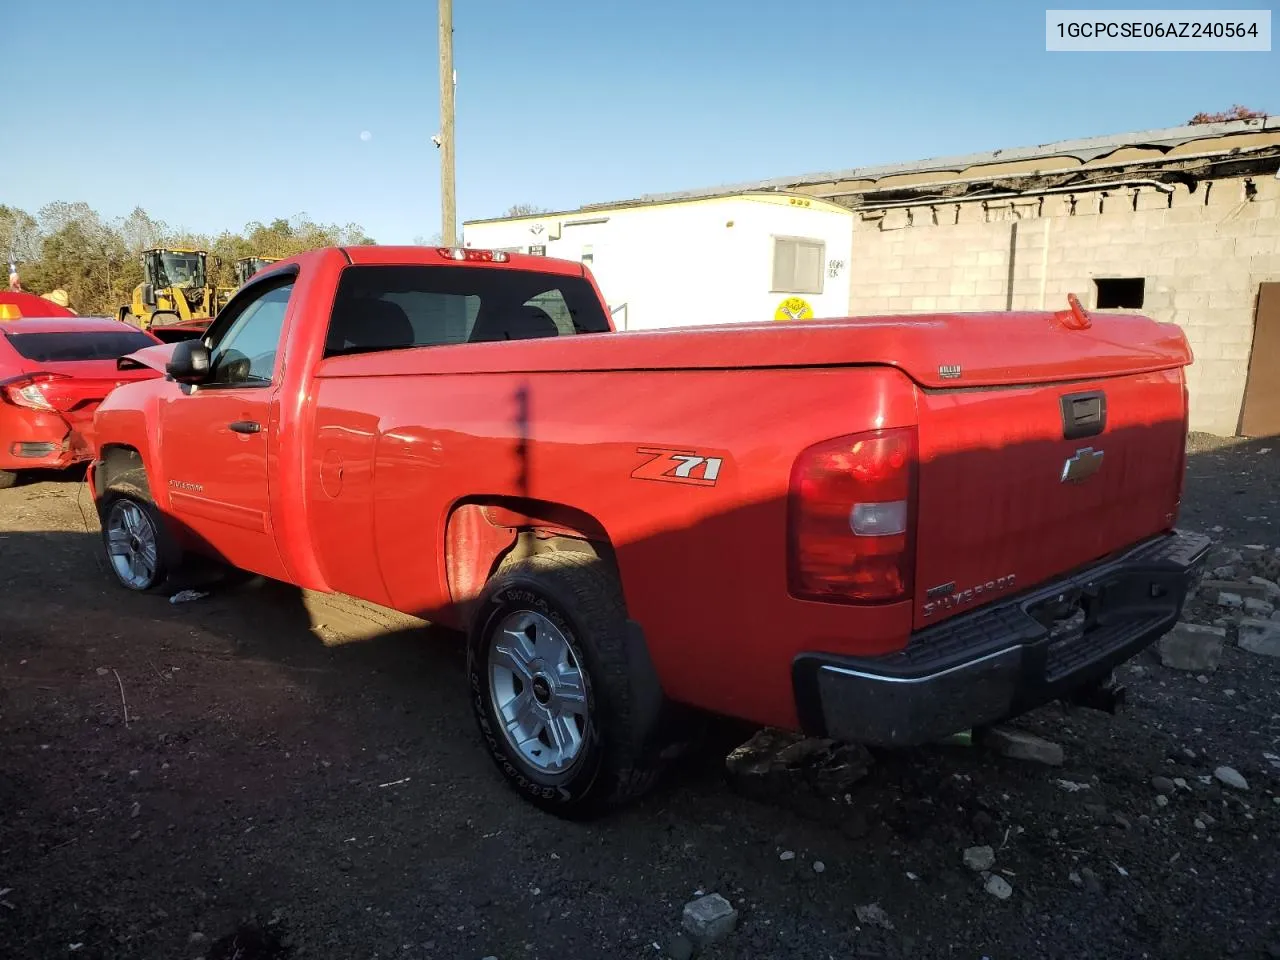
<point x="793" y="308"/>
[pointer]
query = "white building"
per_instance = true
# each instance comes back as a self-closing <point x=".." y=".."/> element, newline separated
<point x="763" y="256"/>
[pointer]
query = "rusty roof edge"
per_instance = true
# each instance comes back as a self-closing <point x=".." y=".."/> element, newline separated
<point x="1085" y="149"/>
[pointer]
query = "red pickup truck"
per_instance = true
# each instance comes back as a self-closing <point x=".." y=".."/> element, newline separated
<point x="883" y="529"/>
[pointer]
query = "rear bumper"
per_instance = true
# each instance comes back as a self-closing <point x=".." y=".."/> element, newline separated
<point x="981" y="667"/>
<point x="34" y="440"/>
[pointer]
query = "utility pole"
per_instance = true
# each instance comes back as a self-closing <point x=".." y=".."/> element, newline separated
<point x="448" y="200"/>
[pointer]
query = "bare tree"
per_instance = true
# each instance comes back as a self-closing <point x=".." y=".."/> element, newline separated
<point x="525" y="210"/>
<point x="1237" y="112"/>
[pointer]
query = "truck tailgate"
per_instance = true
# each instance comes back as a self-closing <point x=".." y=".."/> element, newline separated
<point x="1020" y="483"/>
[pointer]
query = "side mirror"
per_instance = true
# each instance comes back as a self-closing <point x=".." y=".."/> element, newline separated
<point x="149" y="294"/>
<point x="189" y="362"/>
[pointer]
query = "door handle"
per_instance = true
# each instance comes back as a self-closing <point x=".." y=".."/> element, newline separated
<point x="245" y="426"/>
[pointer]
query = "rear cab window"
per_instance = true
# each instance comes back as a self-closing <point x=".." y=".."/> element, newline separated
<point x="402" y="307"/>
<point x="53" y="347"/>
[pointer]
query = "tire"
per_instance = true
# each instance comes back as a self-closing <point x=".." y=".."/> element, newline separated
<point x="8" y="479"/>
<point x="128" y="509"/>
<point x="569" y="596"/>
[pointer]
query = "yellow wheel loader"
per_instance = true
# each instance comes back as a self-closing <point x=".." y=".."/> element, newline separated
<point x="175" y="288"/>
<point x="246" y="267"/>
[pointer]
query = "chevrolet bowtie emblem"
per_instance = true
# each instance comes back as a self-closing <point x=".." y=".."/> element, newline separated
<point x="1083" y="465"/>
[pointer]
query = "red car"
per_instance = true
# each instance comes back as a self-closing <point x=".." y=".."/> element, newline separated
<point x="54" y="371"/>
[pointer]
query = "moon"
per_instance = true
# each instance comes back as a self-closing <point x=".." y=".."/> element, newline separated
<point x="366" y="136"/>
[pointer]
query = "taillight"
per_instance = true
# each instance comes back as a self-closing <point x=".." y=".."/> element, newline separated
<point x="851" y="518"/>
<point x="28" y="391"/>
<point x="475" y="256"/>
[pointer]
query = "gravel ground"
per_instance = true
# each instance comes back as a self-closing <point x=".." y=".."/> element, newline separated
<point x="299" y="776"/>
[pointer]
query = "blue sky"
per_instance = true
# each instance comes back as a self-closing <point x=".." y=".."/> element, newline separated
<point x="559" y="102"/>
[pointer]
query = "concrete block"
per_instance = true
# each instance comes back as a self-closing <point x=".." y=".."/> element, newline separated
<point x="1020" y="745"/>
<point x="1192" y="646"/>
<point x="1225" y="193"/>
<point x="1260" y="609"/>
<point x="989" y="287"/>
<point x="709" y="919"/>
<point x="924" y="303"/>
<point x="1256" y="246"/>
<point x="1260" y="636"/>
<point x="1152" y="199"/>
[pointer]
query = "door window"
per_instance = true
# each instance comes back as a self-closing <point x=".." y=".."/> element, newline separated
<point x="246" y="353"/>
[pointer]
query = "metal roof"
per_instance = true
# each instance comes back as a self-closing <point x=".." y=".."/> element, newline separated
<point x="1085" y="150"/>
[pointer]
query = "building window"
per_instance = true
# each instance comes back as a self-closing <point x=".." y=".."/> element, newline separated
<point x="797" y="265"/>
<point x="1123" y="293"/>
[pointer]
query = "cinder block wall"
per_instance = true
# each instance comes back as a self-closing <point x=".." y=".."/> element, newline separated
<point x="1202" y="255"/>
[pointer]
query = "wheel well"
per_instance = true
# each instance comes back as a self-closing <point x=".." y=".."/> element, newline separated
<point x="482" y="535"/>
<point x="120" y="463"/>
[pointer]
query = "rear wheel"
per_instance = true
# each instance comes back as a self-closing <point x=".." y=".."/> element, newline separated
<point x="140" y="553"/>
<point x="550" y="688"/>
<point x="7" y="479"/>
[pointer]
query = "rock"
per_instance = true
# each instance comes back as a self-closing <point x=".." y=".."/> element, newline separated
<point x="1225" y="572"/>
<point x="1260" y="636"/>
<point x="196" y="937"/>
<point x="1239" y="588"/>
<point x="1191" y="646"/>
<point x="1231" y="777"/>
<point x="1181" y="784"/>
<point x="1076" y="879"/>
<point x="819" y="867"/>
<point x="103" y="671"/>
<point x="1161" y="800"/>
<point x="1258" y="608"/>
<point x="1232" y="601"/>
<point x="999" y="887"/>
<point x="1163" y="785"/>
<point x="796" y="753"/>
<point x="873" y="915"/>
<point x="1269" y="588"/>
<point x="1020" y="745"/>
<point x="1276" y="615"/>
<point x="680" y="948"/>
<point x="775" y="765"/>
<point x="979" y="859"/>
<point x="710" y="918"/>
<point x="1091" y="881"/>
<point x="787" y="855"/>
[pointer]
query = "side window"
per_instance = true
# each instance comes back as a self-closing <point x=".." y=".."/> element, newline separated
<point x="246" y="354"/>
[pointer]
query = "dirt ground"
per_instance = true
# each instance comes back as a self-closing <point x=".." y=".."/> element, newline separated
<point x="262" y="774"/>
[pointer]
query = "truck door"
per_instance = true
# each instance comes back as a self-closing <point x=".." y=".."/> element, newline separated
<point x="216" y="438"/>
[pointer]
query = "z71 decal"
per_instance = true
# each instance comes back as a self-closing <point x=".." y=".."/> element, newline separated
<point x="678" y="466"/>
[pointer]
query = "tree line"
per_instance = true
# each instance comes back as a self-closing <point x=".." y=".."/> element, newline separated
<point x="69" y="246"/>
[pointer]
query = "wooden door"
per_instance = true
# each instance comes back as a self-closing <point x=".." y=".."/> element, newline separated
<point x="1260" y="414"/>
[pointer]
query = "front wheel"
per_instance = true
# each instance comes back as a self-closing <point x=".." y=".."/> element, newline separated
<point x="139" y="551"/>
<point x="550" y="688"/>
<point x="7" y="479"/>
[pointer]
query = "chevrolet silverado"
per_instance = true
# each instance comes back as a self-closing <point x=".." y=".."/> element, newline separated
<point x="877" y="529"/>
